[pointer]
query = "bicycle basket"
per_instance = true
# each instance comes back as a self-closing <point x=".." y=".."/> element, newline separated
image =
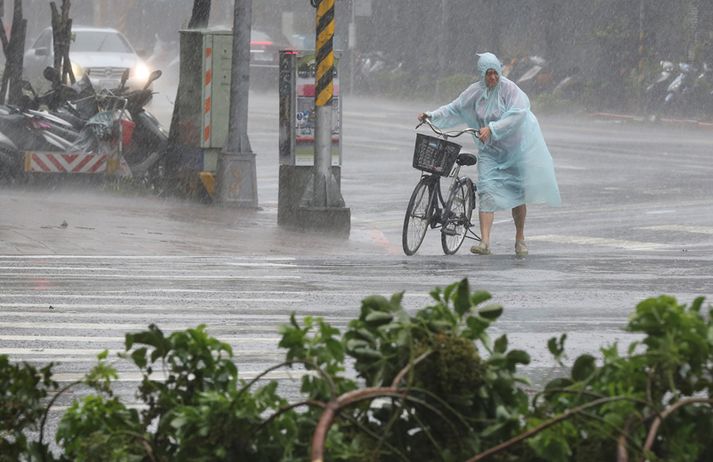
<point x="434" y="155"/>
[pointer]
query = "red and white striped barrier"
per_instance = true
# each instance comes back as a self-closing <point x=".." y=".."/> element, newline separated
<point x="207" y="92"/>
<point x="61" y="162"/>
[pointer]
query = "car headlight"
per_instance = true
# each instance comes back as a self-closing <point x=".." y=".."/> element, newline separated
<point x="141" y="72"/>
<point x="77" y="70"/>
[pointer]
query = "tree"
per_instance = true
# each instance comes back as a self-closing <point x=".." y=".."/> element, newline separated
<point x="62" y="37"/>
<point x="13" y="47"/>
<point x="199" y="18"/>
<point x="200" y="14"/>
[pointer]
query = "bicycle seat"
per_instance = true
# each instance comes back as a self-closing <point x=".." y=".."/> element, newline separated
<point x="466" y="158"/>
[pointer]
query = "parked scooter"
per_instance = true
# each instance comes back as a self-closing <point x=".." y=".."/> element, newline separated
<point x="676" y="101"/>
<point x="657" y="90"/>
<point x="25" y="128"/>
<point x="113" y="124"/>
<point x="370" y="68"/>
<point x="569" y="85"/>
<point x="150" y="139"/>
<point x="682" y="91"/>
<point x="531" y="74"/>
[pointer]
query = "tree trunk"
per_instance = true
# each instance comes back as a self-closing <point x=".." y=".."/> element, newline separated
<point x="62" y="35"/>
<point x="200" y="14"/>
<point x="14" y="48"/>
<point x="199" y="19"/>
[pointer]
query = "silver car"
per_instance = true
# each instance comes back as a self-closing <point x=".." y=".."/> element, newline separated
<point x="103" y="53"/>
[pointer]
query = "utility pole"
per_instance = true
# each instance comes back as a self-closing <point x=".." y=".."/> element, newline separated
<point x="320" y="206"/>
<point x="236" y="175"/>
<point x="324" y="191"/>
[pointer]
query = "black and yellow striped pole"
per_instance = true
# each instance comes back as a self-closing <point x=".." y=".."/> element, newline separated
<point x="321" y="206"/>
<point x="324" y="75"/>
<point x="325" y="189"/>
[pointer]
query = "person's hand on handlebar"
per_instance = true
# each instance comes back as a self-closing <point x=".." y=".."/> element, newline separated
<point x="422" y="116"/>
<point x="484" y="134"/>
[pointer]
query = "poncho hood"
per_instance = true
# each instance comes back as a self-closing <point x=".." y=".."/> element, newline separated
<point x="488" y="61"/>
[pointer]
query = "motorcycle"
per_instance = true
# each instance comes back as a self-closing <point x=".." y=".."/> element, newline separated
<point x="570" y="85"/>
<point x="657" y="90"/>
<point x="150" y="139"/>
<point x="82" y="131"/>
<point x="531" y="74"/>
<point x="370" y="68"/>
<point x="24" y="128"/>
<point x="677" y="93"/>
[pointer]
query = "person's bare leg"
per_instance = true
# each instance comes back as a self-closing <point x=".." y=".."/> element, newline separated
<point x="486" y="223"/>
<point x="518" y="215"/>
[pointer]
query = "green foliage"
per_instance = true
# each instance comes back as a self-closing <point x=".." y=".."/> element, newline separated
<point x="99" y="428"/>
<point x="317" y="346"/>
<point x="22" y="389"/>
<point x="671" y="363"/>
<point x="465" y="389"/>
<point x="431" y="385"/>
<point x="222" y="426"/>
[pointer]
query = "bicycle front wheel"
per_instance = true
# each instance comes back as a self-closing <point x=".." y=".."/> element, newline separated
<point x="457" y="214"/>
<point x="418" y="217"/>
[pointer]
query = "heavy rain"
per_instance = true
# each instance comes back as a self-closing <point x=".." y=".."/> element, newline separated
<point x="167" y="212"/>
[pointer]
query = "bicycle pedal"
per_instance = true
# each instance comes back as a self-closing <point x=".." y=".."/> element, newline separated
<point x="449" y="231"/>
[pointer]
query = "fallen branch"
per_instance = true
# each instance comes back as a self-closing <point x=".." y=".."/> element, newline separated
<point x="667" y="412"/>
<point x="399" y="377"/>
<point x="43" y="422"/>
<point x="543" y="426"/>
<point x="349" y="398"/>
<point x="334" y="406"/>
<point x="287" y="408"/>
<point x="324" y="375"/>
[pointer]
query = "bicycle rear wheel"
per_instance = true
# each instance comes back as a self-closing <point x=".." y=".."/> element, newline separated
<point x="418" y="217"/>
<point x="457" y="214"/>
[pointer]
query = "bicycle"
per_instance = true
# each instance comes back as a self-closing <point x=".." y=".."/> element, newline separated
<point x="437" y="157"/>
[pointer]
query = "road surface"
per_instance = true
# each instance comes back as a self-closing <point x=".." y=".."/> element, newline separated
<point x="80" y="267"/>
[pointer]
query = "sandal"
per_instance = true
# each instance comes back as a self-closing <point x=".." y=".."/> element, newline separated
<point x="481" y="249"/>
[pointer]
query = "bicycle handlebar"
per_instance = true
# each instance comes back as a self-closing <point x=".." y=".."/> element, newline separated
<point x="451" y="134"/>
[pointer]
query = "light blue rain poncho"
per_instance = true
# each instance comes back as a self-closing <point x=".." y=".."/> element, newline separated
<point x="514" y="166"/>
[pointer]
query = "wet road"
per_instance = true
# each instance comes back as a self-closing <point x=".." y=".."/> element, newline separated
<point x="66" y="309"/>
<point x="636" y="221"/>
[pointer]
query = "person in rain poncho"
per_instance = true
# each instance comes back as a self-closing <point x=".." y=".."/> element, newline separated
<point x="515" y="167"/>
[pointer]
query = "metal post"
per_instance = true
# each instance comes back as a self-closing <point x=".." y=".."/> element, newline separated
<point x="321" y="207"/>
<point x="236" y="175"/>
<point x="352" y="46"/>
<point x="442" y="48"/>
<point x="324" y="188"/>
<point x="642" y="52"/>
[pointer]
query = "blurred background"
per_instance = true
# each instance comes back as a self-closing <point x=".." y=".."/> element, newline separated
<point x="591" y="54"/>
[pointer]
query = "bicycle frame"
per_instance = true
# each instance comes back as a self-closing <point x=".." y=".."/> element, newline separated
<point x="451" y="212"/>
<point x="437" y="202"/>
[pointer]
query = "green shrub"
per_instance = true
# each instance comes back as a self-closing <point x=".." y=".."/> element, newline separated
<point x="430" y="385"/>
<point x="22" y="389"/>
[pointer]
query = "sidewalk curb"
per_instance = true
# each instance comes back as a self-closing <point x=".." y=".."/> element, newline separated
<point x="642" y="119"/>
